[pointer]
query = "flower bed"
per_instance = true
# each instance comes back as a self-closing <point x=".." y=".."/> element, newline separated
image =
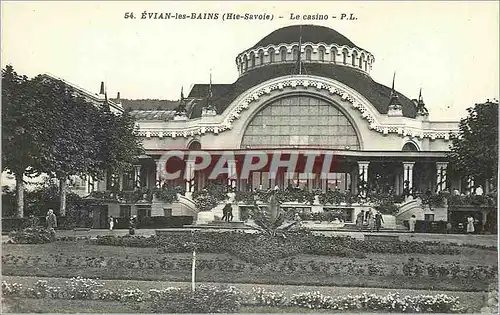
<point x="209" y="299"/>
<point x="291" y="266"/>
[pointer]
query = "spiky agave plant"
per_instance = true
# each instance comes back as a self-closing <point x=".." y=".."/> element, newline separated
<point x="270" y="221"/>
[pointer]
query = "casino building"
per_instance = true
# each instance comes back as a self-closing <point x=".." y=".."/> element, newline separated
<point x="301" y="89"/>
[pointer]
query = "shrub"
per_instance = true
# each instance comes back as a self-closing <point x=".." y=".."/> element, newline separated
<point x="268" y="298"/>
<point x="205" y="299"/>
<point x="34" y="235"/>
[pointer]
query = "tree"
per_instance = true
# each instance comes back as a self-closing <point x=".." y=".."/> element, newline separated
<point x="48" y="128"/>
<point x="474" y="152"/>
<point x="23" y="126"/>
<point x="69" y="135"/>
<point x="85" y="140"/>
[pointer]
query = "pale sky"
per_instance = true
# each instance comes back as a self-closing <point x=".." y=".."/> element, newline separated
<point x="450" y="49"/>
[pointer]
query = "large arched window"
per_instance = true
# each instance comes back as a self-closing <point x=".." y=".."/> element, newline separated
<point x="308" y="53"/>
<point x="246" y="62"/>
<point x="283" y="53"/>
<point x="333" y="54"/>
<point x="271" y="55"/>
<point x="321" y="53"/>
<point x="303" y="121"/>
<point x="252" y="57"/>
<point x="344" y="56"/>
<point x="361" y="61"/>
<point x="409" y="146"/>
<point x="354" y="56"/>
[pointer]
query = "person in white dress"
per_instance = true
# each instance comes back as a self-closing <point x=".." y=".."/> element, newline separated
<point x="111" y="223"/>
<point x="470" y="225"/>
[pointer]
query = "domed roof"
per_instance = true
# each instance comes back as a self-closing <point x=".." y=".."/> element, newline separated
<point x="310" y="33"/>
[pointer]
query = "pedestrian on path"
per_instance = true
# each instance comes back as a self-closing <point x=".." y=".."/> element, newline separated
<point x="378" y="220"/>
<point x="411" y="223"/>
<point x="111" y="223"/>
<point x="51" y="224"/>
<point x="470" y="224"/>
<point x="359" y="219"/>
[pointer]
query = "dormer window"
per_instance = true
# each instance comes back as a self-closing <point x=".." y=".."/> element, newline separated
<point x="271" y="55"/>
<point x="366" y="65"/>
<point x="321" y="52"/>
<point x="295" y="53"/>
<point x="261" y="57"/>
<point x="246" y="63"/>
<point x="283" y="53"/>
<point x="333" y="54"/>
<point x="344" y="56"/>
<point x="361" y="61"/>
<point x="252" y="57"/>
<point x="354" y="55"/>
<point x="308" y="54"/>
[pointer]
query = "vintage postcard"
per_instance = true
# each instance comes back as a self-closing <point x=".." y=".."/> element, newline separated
<point x="250" y="157"/>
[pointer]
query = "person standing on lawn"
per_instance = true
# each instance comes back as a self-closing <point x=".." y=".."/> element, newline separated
<point x="371" y="220"/>
<point x="51" y="223"/>
<point x="359" y="219"/>
<point x="411" y="223"/>
<point x="470" y="224"/>
<point x="378" y="220"/>
<point x="131" y="225"/>
<point x="111" y="223"/>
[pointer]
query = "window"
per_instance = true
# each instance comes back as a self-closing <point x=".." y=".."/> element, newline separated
<point x="167" y="212"/>
<point x="308" y="54"/>
<point x="321" y="52"/>
<point x="333" y="54"/>
<point x="128" y="180"/>
<point x="302" y="121"/>
<point x="361" y="61"/>
<point x="344" y="56"/>
<point x="283" y="53"/>
<point x="246" y="63"/>
<point x="366" y="66"/>
<point x="409" y="146"/>
<point x="295" y="53"/>
<point x="261" y="57"/>
<point x="271" y="55"/>
<point x="354" y="56"/>
<point x="429" y="217"/>
<point x="125" y="211"/>
<point x="252" y="57"/>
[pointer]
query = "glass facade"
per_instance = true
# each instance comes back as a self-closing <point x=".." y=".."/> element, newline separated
<point x="300" y="121"/>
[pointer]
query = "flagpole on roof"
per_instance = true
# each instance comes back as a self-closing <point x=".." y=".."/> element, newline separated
<point x="300" y="49"/>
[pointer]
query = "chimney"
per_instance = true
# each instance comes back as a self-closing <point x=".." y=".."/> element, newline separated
<point x="101" y="92"/>
<point x="118" y="98"/>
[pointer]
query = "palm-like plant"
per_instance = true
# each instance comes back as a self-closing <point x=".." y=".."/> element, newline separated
<point x="270" y="220"/>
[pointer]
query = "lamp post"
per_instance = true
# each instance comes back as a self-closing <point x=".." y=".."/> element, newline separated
<point x="193" y="265"/>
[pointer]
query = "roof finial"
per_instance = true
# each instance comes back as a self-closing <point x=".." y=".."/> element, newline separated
<point x="394" y="100"/>
<point x="101" y="90"/>
<point x="393" y="79"/>
<point x="421" y="109"/>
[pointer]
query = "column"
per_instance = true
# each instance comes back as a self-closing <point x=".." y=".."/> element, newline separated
<point x="232" y="175"/>
<point x="159" y="171"/>
<point x="470" y="185"/>
<point x="189" y="177"/>
<point x="408" y="176"/>
<point x="137" y="176"/>
<point x="363" y="178"/>
<point x="441" y="177"/>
